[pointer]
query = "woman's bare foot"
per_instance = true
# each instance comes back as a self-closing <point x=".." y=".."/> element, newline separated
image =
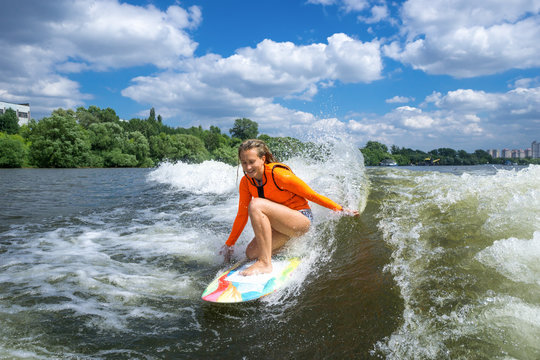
<point x="259" y="267"/>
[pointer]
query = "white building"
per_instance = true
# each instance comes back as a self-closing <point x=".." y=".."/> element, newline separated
<point x="22" y="111"/>
<point x="535" y="148"/>
<point x="518" y="154"/>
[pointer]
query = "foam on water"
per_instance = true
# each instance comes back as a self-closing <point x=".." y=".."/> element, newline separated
<point x="105" y="271"/>
<point x="512" y="323"/>
<point x="465" y="254"/>
<point x="85" y="271"/>
<point x="516" y="259"/>
<point x="210" y="177"/>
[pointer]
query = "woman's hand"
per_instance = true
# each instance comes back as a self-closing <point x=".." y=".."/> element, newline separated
<point x="227" y="252"/>
<point x="350" y="212"/>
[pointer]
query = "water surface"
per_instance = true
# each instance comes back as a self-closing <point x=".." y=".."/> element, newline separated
<point x="111" y="263"/>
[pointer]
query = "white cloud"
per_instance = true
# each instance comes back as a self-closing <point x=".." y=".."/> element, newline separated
<point x="378" y="13"/>
<point x="412" y="127"/>
<point x="107" y="34"/>
<point x="468" y="100"/>
<point x="459" y="118"/>
<point x="498" y="106"/>
<point x="527" y="82"/>
<point x="354" y="5"/>
<point x="247" y="82"/>
<point x="371" y="129"/>
<point x="468" y="38"/>
<point x="67" y="36"/>
<point x="375" y="129"/>
<point x="281" y="69"/>
<point x="352" y="60"/>
<point x="322" y="2"/>
<point x="346" y="5"/>
<point x="399" y="99"/>
<point x="413" y="118"/>
<point x="202" y="104"/>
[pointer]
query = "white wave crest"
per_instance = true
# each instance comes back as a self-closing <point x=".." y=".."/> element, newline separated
<point x="209" y="177"/>
<point x="516" y="259"/>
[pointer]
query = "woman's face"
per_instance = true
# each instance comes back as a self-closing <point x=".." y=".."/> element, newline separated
<point x="252" y="164"/>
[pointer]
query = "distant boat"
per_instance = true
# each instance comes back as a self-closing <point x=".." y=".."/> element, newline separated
<point x="429" y="162"/>
<point x="388" y="162"/>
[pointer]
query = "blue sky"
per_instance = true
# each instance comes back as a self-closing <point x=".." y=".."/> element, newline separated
<point x="418" y="73"/>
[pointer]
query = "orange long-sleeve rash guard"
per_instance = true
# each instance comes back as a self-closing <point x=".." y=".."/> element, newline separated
<point x="279" y="185"/>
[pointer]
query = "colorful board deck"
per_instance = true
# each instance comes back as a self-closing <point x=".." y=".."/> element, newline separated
<point x="231" y="287"/>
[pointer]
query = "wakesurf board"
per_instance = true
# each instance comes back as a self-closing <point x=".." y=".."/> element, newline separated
<point x="232" y="287"/>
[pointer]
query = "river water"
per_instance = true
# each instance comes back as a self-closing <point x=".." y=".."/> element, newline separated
<point x="443" y="263"/>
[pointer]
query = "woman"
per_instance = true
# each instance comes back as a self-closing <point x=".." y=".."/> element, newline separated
<point x="275" y="201"/>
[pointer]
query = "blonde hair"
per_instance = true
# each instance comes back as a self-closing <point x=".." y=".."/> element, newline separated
<point x="260" y="146"/>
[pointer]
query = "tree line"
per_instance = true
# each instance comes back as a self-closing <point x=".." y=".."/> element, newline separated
<point x="94" y="137"/>
<point x="375" y="153"/>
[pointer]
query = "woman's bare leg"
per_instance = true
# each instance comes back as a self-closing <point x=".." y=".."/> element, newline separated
<point x="273" y="224"/>
<point x="278" y="240"/>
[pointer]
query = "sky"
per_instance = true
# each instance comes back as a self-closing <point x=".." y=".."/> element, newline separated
<point x="421" y="74"/>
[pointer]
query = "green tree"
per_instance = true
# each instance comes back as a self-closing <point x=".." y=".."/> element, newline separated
<point x="104" y="115"/>
<point x="197" y="131"/>
<point x="463" y="158"/>
<point x="401" y="160"/>
<point x="152" y="116"/>
<point x="214" y="139"/>
<point x="284" y="148"/>
<point x="376" y="146"/>
<point x="245" y="129"/>
<point x="65" y="113"/>
<point x="444" y="152"/>
<point x="94" y="114"/>
<point x="146" y="127"/>
<point x="25" y="131"/>
<point x="138" y="146"/>
<point x="483" y="157"/>
<point x="13" y="151"/>
<point x="85" y="118"/>
<point x="116" y="147"/>
<point x="9" y="123"/>
<point x="95" y="159"/>
<point x="375" y="152"/>
<point x="106" y="136"/>
<point x="116" y="158"/>
<point x="58" y="141"/>
<point x="408" y="156"/>
<point x="192" y="148"/>
<point x="161" y="147"/>
<point x="226" y="154"/>
<point x="182" y="147"/>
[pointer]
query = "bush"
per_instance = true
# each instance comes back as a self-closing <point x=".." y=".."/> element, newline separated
<point x="181" y="147"/>
<point x="9" y="123"/>
<point x="13" y="151"/>
<point x="116" y="158"/>
<point x="226" y="154"/>
<point x="59" y="142"/>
